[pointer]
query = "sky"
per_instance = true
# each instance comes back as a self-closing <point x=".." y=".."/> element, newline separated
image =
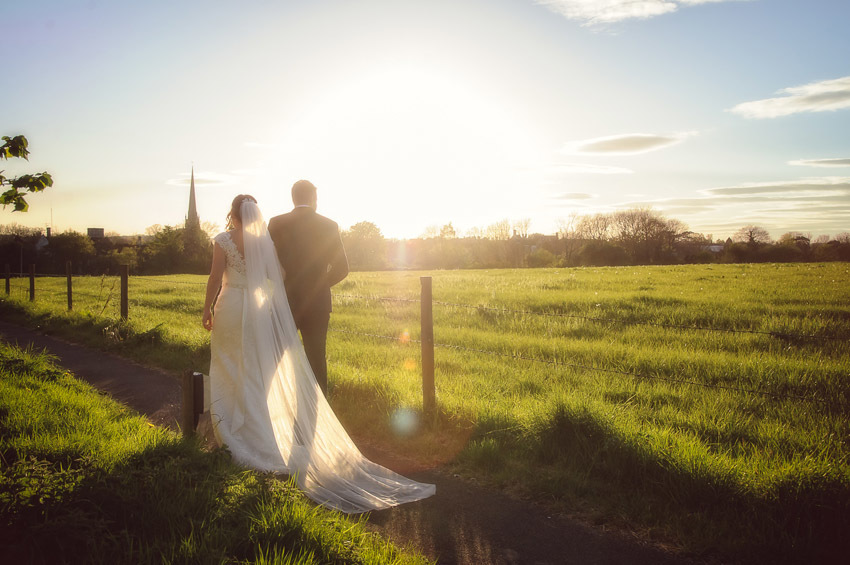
<point x="410" y="114"/>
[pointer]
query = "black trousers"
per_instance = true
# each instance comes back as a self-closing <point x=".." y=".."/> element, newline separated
<point x="314" y="335"/>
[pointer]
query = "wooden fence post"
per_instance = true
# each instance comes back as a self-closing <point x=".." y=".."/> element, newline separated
<point x="70" y="290"/>
<point x="8" y="280"/>
<point x="187" y="420"/>
<point x="193" y="401"/>
<point x="125" y="300"/>
<point x="32" y="282"/>
<point x="427" y="338"/>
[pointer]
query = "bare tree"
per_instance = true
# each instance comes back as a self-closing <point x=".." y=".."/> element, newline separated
<point x="476" y="233"/>
<point x="594" y="227"/>
<point x="501" y="230"/>
<point x="521" y="227"/>
<point x="153" y="230"/>
<point x="566" y="226"/>
<point x="752" y="235"/>
<point x="430" y="232"/>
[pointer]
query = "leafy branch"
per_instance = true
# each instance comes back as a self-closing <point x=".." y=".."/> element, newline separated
<point x="16" y="147"/>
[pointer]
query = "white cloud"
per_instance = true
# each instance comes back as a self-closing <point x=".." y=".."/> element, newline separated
<point x="625" y="144"/>
<point x="597" y="12"/>
<point x="821" y="162"/>
<point x="573" y="196"/>
<point x="827" y="95"/>
<point x="818" y="204"/>
<point x="817" y="185"/>
<point x="583" y="168"/>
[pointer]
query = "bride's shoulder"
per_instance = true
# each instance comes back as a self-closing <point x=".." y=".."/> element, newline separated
<point x="223" y="237"/>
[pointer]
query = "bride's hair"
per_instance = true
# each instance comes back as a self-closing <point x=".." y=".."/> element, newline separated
<point x="236" y="209"/>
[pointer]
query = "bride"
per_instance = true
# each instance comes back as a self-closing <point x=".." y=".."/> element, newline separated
<point x="266" y="405"/>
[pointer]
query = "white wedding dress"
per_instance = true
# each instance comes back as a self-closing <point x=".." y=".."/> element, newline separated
<point x="265" y="404"/>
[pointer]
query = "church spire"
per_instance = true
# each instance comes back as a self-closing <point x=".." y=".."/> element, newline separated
<point x="192" y="219"/>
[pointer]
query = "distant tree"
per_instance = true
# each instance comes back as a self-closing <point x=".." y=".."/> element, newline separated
<point x="17" y="229"/>
<point x="14" y="195"/>
<point x="210" y="228"/>
<point x="431" y="232"/>
<point x="594" y="227"/>
<point x="197" y="249"/>
<point x="566" y="230"/>
<point x="164" y="254"/>
<point x="153" y="230"/>
<point x="448" y="231"/>
<point x="521" y="227"/>
<point x="501" y="230"/>
<point x="843" y="237"/>
<point x="565" y="227"/>
<point x="476" y="233"/>
<point x="599" y="253"/>
<point x="541" y="258"/>
<point x="752" y="236"/>
<point x="71" y="246"/>
<point x="365" y="246"/>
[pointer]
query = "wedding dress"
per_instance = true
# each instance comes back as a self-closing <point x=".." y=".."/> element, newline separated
<point x="265" y="403"/>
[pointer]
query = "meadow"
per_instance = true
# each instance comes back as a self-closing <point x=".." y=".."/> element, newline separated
<point x="701" y="406"/>
<point x="84" y="479"/>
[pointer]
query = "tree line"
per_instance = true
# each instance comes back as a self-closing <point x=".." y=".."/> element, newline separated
<point x="638" y="236"/>
<point x="162" y="250"/>
<point x="627" y="237"/>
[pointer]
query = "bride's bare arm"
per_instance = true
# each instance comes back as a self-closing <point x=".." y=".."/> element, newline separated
<point x="213" y="284"/>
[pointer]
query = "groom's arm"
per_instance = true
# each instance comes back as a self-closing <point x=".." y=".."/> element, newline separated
<point x="338" y="266"/>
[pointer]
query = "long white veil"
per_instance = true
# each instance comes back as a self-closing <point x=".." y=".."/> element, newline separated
<point x="313" y="445"/>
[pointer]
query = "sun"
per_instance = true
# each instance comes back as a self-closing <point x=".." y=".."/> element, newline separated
<point x="408" y="146"/>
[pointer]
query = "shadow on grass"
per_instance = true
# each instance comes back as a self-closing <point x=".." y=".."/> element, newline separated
<point x="171" y="503"/>
<point x="572" y="455"/>
<point x="149" y="347"/>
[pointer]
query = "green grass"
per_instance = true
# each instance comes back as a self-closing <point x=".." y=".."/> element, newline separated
<point x="738" y="468"/>
<point x="85" y="480"/>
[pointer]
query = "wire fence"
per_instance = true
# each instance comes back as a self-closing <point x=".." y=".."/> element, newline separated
<point x="559" y="363"/>
<point x="603" y="320"/>
<point x="106" y="294"/>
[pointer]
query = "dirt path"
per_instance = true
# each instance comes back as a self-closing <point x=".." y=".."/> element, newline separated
<point x="462" y="524"/>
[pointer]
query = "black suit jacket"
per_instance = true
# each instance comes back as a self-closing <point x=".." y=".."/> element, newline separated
<point x="310" y="251"/>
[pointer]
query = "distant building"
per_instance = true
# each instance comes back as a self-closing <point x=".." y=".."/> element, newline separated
<point x="95" y="233"/>
<point x="193" y="222"/>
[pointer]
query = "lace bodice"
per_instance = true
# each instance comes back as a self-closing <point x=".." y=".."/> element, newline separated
<point x="234" y="272"/>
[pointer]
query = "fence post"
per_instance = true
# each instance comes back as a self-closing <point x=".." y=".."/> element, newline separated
<point x="70" y="290"/>
<point x="125" y="301"/>
<point x="187" y="421"/>
<point x="193" y="401"/>
<point x="8" y="277"/>
<point x="32" y="282"/>
<point x="427" y="338"/>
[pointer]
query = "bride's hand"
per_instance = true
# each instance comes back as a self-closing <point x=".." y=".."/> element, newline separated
<point x="208" y="320"/>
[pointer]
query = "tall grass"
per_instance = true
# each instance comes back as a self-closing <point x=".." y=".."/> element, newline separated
<point x="706" y="405"/>
<point x="85" y="480"/>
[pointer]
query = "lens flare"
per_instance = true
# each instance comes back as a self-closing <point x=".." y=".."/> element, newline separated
<point x="404" y="422"/>
<point x="404" y="337"/>
<point x="409" y="364"/>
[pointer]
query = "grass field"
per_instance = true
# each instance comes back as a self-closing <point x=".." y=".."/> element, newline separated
<point x="85" y="480"/>
<point x="706" y="406"/>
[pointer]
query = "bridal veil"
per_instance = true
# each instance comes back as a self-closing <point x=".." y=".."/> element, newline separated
<point x="311" y="443"/>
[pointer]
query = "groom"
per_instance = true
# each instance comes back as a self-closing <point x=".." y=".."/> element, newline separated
<point x="310" y="251"/>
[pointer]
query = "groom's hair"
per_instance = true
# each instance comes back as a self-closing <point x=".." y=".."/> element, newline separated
<point x="303" y="192"/>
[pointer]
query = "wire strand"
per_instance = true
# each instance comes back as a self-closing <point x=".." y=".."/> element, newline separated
<point x="773" y="395"/>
